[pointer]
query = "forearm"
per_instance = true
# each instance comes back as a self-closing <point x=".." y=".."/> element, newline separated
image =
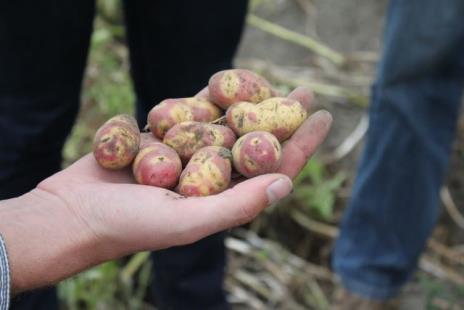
<point x="45" y="241"/>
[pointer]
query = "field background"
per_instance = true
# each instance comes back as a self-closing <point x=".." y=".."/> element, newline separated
<point x="280" y="261"/>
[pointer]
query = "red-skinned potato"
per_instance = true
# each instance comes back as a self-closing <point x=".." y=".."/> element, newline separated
<point x="207" y="173"/>
<point x="230" y="86"/>
<point x="166" y="114"/>
<point x="116" y="142"/>
<point x="202" y="110"/>
<point x="175" y="111"/>
<point x="279" y="116"/>
<point x="147" y="138"/>
<point x="157" y="165"/>
<point x="256" y="153"/>
<point x="188" y="137"/>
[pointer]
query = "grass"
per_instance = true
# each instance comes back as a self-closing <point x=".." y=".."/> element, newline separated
<point x="315" y="191"/>
<point x="440" y="295"/>
<point x="108" y="286"/>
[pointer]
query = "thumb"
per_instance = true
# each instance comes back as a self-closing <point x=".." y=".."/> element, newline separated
<point x="203" y="216"/>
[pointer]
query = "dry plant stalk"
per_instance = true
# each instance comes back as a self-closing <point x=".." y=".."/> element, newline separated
<point x="297" y="38"/>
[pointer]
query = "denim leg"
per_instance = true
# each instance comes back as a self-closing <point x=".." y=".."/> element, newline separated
<point x="175" y="46"/>
<point x="414" y="108"/>
<point x="43" y="48"/>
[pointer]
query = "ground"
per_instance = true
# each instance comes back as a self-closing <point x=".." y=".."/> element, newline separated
<point x="280" y="261"/>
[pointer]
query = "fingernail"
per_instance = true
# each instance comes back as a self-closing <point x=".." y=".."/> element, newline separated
<point x="324" y="116"/>
<point x="279" y="189"/>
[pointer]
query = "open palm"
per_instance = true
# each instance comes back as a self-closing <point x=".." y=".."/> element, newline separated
<point x="140" y="217"/>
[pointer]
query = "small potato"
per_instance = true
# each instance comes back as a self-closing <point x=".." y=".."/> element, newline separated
<point x="147" y="138"/>
<point x="188" y="137"/>
<point x="279" y="116"/>
<point x="230" y="86"/>
<point x="256" y="153"/>
<point x="116" y="142"/>
<point x="166" y="114"/>
<point x="207" y="173"/>
<point x="175" y="111"/>
<point x="202" y="110"/>
<point x="158" y="165"/>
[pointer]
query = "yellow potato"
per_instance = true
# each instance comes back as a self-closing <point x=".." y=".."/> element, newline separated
<point x="207" y="173"/>
<point x="279" y="116"/>
<point x="188" y="137"/>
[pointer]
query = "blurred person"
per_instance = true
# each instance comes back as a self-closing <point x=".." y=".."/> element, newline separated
<point x="175" y="46"/>
<point x="413" y="114"/>
<point x="85" y="215"/>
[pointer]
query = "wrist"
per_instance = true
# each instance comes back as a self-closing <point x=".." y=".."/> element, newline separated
<point x="46" y="241"/>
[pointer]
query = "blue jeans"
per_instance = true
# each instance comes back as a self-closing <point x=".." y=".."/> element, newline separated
<point x="413" y="114"/>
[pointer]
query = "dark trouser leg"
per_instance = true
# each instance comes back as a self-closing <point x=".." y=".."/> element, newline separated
<point x="43" y="47"/>
<point x="175" y="46"/>
<point x="413" y="114"/>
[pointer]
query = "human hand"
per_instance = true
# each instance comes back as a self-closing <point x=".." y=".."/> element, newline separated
<point x="136" y="213"/>
<point x="105" y="215"/>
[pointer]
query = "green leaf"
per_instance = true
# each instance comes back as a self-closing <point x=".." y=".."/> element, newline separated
<point x="315" y="192"/>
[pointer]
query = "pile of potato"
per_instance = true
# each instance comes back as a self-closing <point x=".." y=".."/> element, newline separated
<point x="197" y="153"/>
